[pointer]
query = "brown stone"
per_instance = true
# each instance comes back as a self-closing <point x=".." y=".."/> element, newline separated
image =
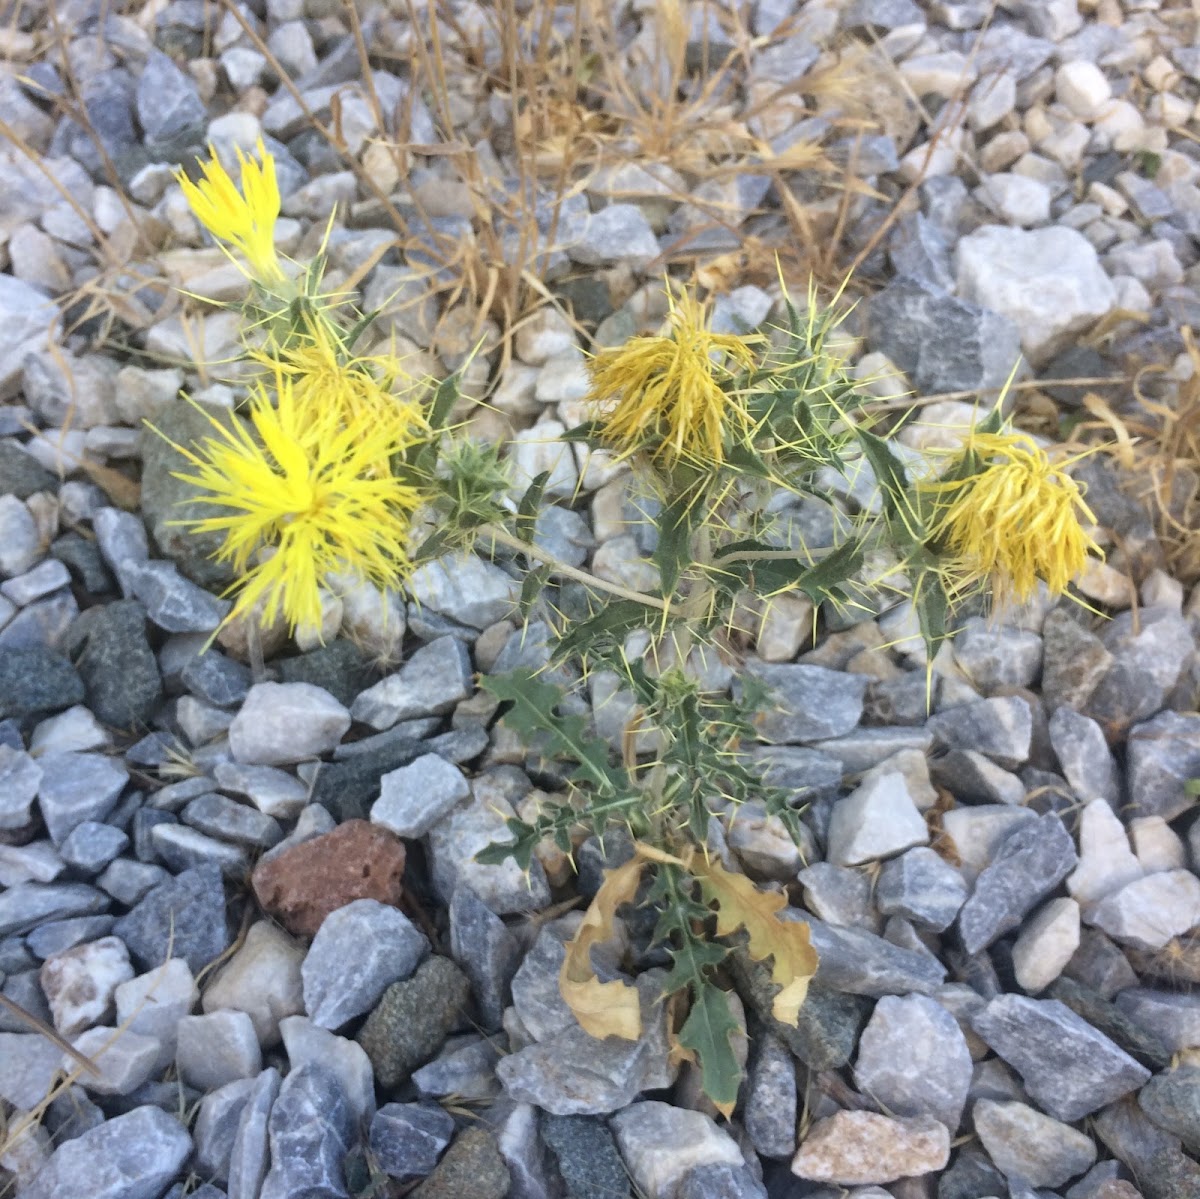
<point x="1117" y="1188"/>
<point x="358" y="860"/>
<point x="860" y="1148"/>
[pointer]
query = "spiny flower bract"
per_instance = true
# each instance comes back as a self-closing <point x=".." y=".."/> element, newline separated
<point x="1007" y="516"/>
<point x="300" y="495"/>
<point x="672" y="396"/>
<point x="245" y="219"/>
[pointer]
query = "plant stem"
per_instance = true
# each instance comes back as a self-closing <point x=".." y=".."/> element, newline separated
<point x="502" y="537"/>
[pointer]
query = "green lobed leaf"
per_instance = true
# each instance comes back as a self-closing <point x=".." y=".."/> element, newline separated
<point x="708" y="1032"/>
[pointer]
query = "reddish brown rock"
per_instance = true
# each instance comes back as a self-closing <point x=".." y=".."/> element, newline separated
<point x="358" y="860"/>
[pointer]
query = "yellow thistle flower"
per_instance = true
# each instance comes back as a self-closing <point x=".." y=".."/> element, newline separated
<point x="1013" y="521"/>
<point x="309" y="488"/>
<point x="665" y="394"/>
<point x="245" y="219"/>
<point x="324" y="378"/>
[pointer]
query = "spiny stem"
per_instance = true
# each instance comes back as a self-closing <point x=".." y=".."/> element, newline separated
<point x="502" y="537"/>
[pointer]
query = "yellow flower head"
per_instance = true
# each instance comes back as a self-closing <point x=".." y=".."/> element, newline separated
<point x="325" y="378"/>
<point x="308" y="487"/>
<point x="245" y="219"/>
<point x="665" y="394"/>
<point x="1012" y="521"/>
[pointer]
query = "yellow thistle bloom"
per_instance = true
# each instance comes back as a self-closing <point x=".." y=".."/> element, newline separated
<point x="308" y="487"/>
<point x="665" y="394"/>
<point x="1013" y="521"/>
<point x="324" y="378"/>
<point x="245" y="219"/>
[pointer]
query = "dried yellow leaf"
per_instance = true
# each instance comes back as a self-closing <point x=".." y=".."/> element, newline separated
<point x="608" y="1009"/>
<point x="740" y="904"/>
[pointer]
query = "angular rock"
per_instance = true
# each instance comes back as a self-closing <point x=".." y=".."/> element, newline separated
<point x="90" y="846"/>
<point x="184" y="917"/>
<point x="1084" y="756"/>
<point x="432" y="681"/>
<point x="124" y="1060"/>
<point x="472" y="1165"/>
<point x="35" y="680"/>
<point x="1148" y="912"/>
<point x="77" y="787"/>
<point x="922" y="887"/>
<point x="273" y="792"/>
<point x="769" y="1113"/>
<point x="858" y="1148"/>
<point x="262" y="979"/>
<point x="466" y="1068"/>
<point x="1163" y="753"/>
<point x="913" y="1060"/>
<point x="358" y="952"/>
<point x="134" y="1156"/>
<point x="486" y="950"/>
<point x="27" y="905"/>
<point x="29" y="1065"/>
<point x="407" y="1139"/>
<point x="1106" y="862"/>
<point x="466" y="589"/>
<point x="1172" y="1102"/>
<point x="310" y="1130"/>
<point x="877" y="820"/>
<point x="414" y="798"/>
<point x="1033" y="860"/>
<point x="858" y="962"/>
<point x="217" y="1048"/>
<point x="173" y="602"/>
<point x="1172" y="1019"/>
<point x="661" y="1143"/>
<point x="346" y="1061"/>
<point x="1068" y="1067"/>
<point x="307" y="882"/>
<point x="412" y="1020"/>
<point x="216" y="1127"/>
<point x="19" y="779"/>
<point x="152" y="1005"/>
<point x="248" y="1159"/>
<point x="79" y="984"/>
<point x="1001" y="728"/>
<point x="807" y="703"/>
<point x="1047" y="943"/>
<point x="281" y="723"/>
<point x="1029" y="1147"/>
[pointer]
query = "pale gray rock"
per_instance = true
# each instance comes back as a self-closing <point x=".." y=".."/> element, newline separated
<point x="248" y="1159"/>
<point x="152" y="1005"/>
<point x="994" y="656"/>
<point x="1048" y="281"/>
<point x="121" y="537"/>
<point x="465" y="1068"/>
<point x="1162" y="754"/>
<point x="311" y="1129"/>
<point x="922" y="887"/>
<point x="807" y="703"/>
<point x="216" y="1127"/>
<point x="346" y="1060"/>
<point x="857" y="962"/>
<point x="771" y="1098"/>
<point x="1027" y="866"/>
<point x="1001" y="728"/>
<point x="358" y="952"/>
<point x="28" y="1066"/>
<point x="173" y="602"/>
<point x="183" y="848"/>
<point x="272" y="791"/>
<point x="125" y="1060"/>
<point x="18" y="536"/>
<point x="79" y="984"/>
<point x="1172" y="1017"/>
<point x="215" y="1049"/>
<point x="432" y="681"/>
<point x="77" y="787"/>
<point x="839" y="895"/>
<point x="282" y="723"/>
<point x="90" y="846"/>
<point x="1082" y="751"/>
<point x="19" y="778"/>
<point x="262" y="979"/>
<point x="27" y="905"/>
<point x="414" y="798"/>
<point x="1068" y="1067"/>
<point x="1148" y="912"/>
<point x="487" y="951"/>
<point x="466" y="589"/>
<point x="913" y="1060"/>
<point x="877" y="820"/>
<point x="661" y="1144"/>
<point x="619" y="233"/>
<point x="1048" y="941"/>
<point x="1029" y="1147"/>
<point x="1106" y="861"/>
<point x="134" y="1156"/>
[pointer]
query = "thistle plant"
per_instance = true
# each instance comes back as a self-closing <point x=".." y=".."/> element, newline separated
<point x="344" y="466"/>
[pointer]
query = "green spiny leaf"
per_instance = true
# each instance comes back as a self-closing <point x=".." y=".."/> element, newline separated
<point x="708" y="1032"/>
<point x="530" y="504"/>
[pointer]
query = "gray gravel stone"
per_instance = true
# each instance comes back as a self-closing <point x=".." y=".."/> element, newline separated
<point x="1001" y="728"/>
<point x="487" y="951"/>
<point x="346" y="1061"/>
<point x="408" y="1138"/>
<point x="1162" y="754"/>
<point x="185" y="915"/>
<point x="994" y="656"/>
<point x="465" y="588"/>
<point x="217" y="679"/>
<point x="217" y="1048"/>
<point x="839" y="895"/>
<point x="877" y="820"/>
<point x="859" y="963"/>
<point x="124" y="1061"/>
<point x="771" y="1102"/>
<point x="183" y="848"/>
<point x="807" y="703"/>
<point x="922" y="887"/>
<point x="27" y="905"/>
<point x="28" y="1065"/>
<point x="1172" y="1101"/>
<point x="432" y="681"/>
<point x="358" y="952"/>
<point x="1067" y="1067"/>
<point x="167" y="102"/>
<point x="466" y="1068"/>
<point x="1029" y="1147"/>
<point x="19" y="779"/>
<point x="661" y="1144"/>
<point x="311" y="1128"/>
<point x="173" y="602"/>
<point x="1027" y="866"/>
<point x="942" y="342"/>
<point x="1084" y="756"/>
<point x="1171" y="1017"/>
<point x="281" y="723"/>
<point x="134" y="1156"/>
<point x="216" y="1126"/>
<point x="77" y="787"/>
<point x="35" y="680"/>
<point x="913" y="1059"/>
<point x="121" y="537"/>
<point x="221" y="817"/>
<point x="414" y="798"/>
<point x="1148" y="912"/>
<point x="616" y="234"/>
<point x="248" y="1159"/>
